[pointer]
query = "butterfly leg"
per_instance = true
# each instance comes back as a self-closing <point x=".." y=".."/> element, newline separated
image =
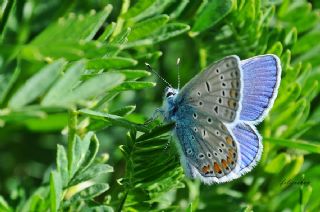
<point x="154" y="116"/>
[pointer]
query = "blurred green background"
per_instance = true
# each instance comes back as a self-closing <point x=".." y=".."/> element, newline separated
<point x="74" y="95"/>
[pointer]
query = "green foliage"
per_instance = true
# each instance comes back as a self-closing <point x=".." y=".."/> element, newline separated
<point x="73" y="84"/>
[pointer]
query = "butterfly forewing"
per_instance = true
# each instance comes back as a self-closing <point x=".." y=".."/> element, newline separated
<point x="216" y="90"/>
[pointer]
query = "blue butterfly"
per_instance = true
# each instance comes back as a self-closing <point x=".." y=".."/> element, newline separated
<point x="215" y="116"/>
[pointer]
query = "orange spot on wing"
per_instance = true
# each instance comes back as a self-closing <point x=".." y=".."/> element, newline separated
<point x="229" y="140"/>
<point x="223" y="127"/>
<point x="233" y="93"/>
<point x="224" y="163"/>
<point x="205" y="169"/>
<point x="232" y="104"/>
<point x="230" y="151"/>
<point x="217" y="168"/>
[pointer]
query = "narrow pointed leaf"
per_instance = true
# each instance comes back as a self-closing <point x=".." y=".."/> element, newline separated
<point x="55" y="190"/>
<point x="37" y="85"/>
<point x="297" y="144"/>
<point x="107" y="63"/>
<point x="64" y="84"/>
<point x="211" y="13"/>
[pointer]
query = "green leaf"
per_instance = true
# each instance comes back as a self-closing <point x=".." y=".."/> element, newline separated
<point x="115" y="120"/>
<point x="55" y="190"/>
<point x="107" y="32"/>
<point x="121" y="38"/>
<point x="102" y="208"/>
<point x="156" y="132"/>
<point x="64" y="84"/>
<point x="37" y="203"/>
<point x="212" y="12"/>
<point x="47" y="123"/>
<point x="291" y="94"/>
<point x="123" y="111"/>
<point x="147" y="10"/>
<point x="295" y="110"/>
<point x="297" y="144"/>
<point x="37" y="85"/>
<point x="92" y="88"/>
<point x="75" y="155"/>
<point x="73" y="28"/>
<point x="113" y="62"/>
<point x="133" y="85"/>
<point x="179" y="9"/>
<point x="137" y="8"/>
<point x="293" y="168"/>
<point x="83" y="152"/>
<point x="70" y="50"/>
<point x="88" y="153"/>
<point x="166" y="32"/>
<point x="189" y="209"/>
<point x="311" y="91"/>
<point x="62" y="165"/>
<point x="307" y="42"/>
<point x="7" y="81"/>
<point x="93" y="191"/>
<point x="276" y="49"/>
<point x="306" y="192"/>
<point x="147" y="27"/>
<point x="91" y="172"/>
<point x="5" y="14"/>
<point x="298" y="118"/>
<point x="134" y="74"/>
<point x="293" y="13"/>
<point x="277" y="163"/>
<point x="291" y="37"/>
<point x="4" y="206"/>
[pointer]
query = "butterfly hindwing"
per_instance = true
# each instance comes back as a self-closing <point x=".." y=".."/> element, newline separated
<point x="208" y="148"/>
<point x="250" y="145"/>
<point x="216" y="90"/>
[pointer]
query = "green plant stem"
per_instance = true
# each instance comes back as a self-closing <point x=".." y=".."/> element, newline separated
<point x="203" y="57"/>
<point x="5" y="16"/>
<point x="120" y="21"/>
<point x="72" y="129"/>
<point x="123" y="200"/>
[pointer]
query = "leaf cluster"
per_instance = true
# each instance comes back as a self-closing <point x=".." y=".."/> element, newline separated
<point x="72" y="74"/>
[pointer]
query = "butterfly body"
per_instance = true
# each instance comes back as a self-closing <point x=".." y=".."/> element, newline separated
<point x="215" y="113"/>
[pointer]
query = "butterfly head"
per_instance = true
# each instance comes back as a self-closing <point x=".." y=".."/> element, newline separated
<point x="170" y="93"/>
<point x="170" y="105"/>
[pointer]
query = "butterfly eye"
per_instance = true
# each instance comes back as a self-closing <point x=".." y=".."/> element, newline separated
<point x="169" y="94"/>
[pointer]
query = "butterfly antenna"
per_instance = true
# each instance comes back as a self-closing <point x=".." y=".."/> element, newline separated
<point x="178" y="64"/>
<point x="151" y="69"/>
